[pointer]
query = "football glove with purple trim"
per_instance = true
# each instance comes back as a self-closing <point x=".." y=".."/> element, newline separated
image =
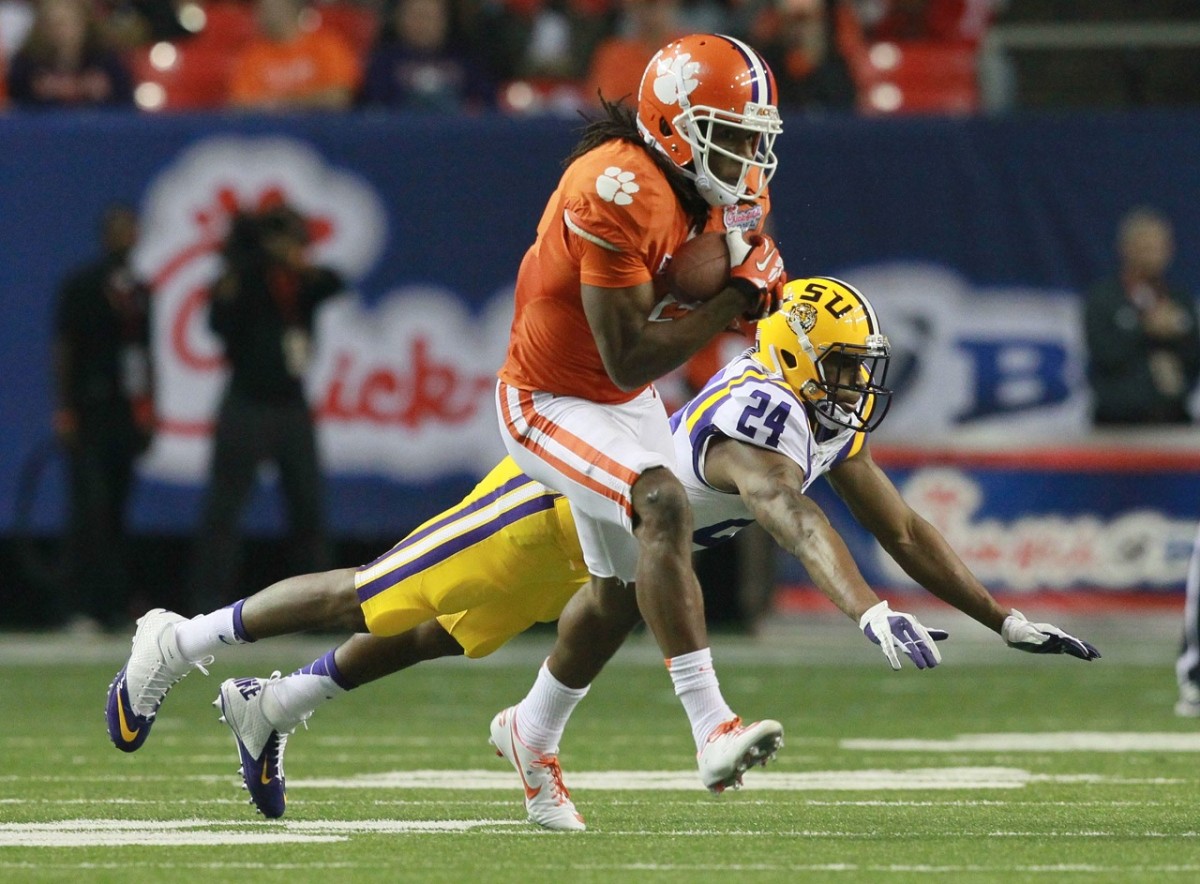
<point x="1043" y="638"/>
<point x="895" y="631"/>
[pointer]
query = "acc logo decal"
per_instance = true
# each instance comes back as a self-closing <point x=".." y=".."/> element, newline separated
<point x="675" y="78"/>
<point x="616" y="186"/>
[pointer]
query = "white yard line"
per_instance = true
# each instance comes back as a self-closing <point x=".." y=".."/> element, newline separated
<point x="897" y="779"/>
<point x="181" y="833"/>
<point x="1067" y="741"/>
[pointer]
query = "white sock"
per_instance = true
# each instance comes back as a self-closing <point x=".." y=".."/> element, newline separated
<point x="542" y="716"/>
<point x="292" y="699"/>
<point x="205" y="634"/>
<point x="697" y="687"/>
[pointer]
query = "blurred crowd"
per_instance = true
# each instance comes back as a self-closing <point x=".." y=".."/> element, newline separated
<point x="516" y="56"/>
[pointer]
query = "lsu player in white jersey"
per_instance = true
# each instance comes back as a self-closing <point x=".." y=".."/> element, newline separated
<point x="798" y="405"/>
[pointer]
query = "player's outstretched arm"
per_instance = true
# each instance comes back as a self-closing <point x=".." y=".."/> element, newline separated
<point x="916" y="545"/>
<point x="771" y="485"/>
<point x="923" y="553"/>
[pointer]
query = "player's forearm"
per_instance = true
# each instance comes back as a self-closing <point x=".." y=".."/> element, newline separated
<point x="927" y="558"/>
<point x="661" y="347"/>
<point x="798" y="525"/>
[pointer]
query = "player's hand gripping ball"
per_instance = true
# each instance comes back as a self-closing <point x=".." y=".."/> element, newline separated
<point x="699" y="269"/>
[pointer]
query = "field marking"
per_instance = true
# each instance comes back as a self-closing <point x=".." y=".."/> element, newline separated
<point x="774" y="780"/>
<point x="195" y="832"/>
<point x="869" y="834"/>
<point x="191" y="832"/>
<point x="157" y="839"/>
<point x="923" y="778"/>
<point x="1057" y="868"/>
<point x="42" y="866"/>
<point x="612" y="802"/>
<point x="1066" y="741"/>
<point x="890" y="867"/>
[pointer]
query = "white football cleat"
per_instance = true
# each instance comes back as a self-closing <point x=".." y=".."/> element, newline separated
<point x="1188" y="704"/>
<point x="734" y="748"/>
<point x="260" y="745"/>
<point x="138" y="690"/>
<point x="547" y="800"/>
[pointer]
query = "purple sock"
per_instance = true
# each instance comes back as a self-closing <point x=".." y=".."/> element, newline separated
<point x="239" y="628"/>
<point x="326" y="665"/>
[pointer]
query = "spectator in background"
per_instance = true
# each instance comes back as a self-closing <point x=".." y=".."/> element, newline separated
<point x="133" y="23"/>
<point x="16" y="18"/>
<point x="545" y="39"/>
<point x="1187" y="664"/>
<point x="799" y="41"/>
<point x="263" y="307"/>
<point x="618" y="62"/>
<point x="946" y="21"/>
<point x="65" y="61"/>
<point x="1140" y="332"/>
<point x="289" y="67"/>
<point x="104" y="418"/>
<point x="415" y="65"/>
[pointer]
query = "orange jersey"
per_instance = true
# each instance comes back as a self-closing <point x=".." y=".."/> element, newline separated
<point x="314" y="61"/>
<point x="613" y="222"/>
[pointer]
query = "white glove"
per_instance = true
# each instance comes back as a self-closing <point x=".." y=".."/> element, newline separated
<point x="889" y="629"/>
<point x="1043" y="638"/>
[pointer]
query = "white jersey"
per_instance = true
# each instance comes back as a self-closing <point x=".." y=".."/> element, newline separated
<point x="752" y="404"/>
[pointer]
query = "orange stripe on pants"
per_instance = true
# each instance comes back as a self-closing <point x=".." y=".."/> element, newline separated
<point x="572" y="443"/>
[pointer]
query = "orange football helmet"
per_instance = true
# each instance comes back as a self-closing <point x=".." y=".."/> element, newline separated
<point x="699" y="82"/>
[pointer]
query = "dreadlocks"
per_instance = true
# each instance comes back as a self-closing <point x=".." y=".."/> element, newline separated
<point x="619" y="123"/>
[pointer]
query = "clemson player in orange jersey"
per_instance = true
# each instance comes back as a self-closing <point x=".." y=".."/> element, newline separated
<point x="589" y="336"/>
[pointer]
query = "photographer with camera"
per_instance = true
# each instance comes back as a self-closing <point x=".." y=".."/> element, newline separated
<point x="263" y="307"/>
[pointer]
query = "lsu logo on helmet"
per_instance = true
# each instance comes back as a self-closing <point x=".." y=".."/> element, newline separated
<point x="826" y="343"/>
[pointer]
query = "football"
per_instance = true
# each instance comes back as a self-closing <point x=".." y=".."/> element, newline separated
<point x="699" y="269"/>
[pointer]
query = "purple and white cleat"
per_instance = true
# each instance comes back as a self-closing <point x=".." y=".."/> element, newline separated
<point x="153" y="668"/>
<point x="259" y="744"/>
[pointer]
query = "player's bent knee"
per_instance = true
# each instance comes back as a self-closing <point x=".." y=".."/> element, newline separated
<point x="615" y="603"/>
<point x="341" y="596"/>
<point x="660" y="502"/>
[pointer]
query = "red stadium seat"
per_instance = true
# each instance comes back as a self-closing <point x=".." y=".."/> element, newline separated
<point x="229" y="23"/>
<point x="192" y="75"/>
<point x="357" y="24"/>
<point x="541" y="95"/>
<point x="920" y="77"/>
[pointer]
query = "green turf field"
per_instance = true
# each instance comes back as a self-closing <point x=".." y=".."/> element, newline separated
<point x="997" y="766"/>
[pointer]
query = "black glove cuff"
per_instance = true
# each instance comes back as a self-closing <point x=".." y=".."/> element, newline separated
<point x="749" y="290"/>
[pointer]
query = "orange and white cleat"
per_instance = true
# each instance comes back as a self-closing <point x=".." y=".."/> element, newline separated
<point x="547" y="800"/>
<point x="734" y="748"/>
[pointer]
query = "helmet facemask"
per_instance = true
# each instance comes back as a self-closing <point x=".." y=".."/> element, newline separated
<point x="849" y="391"/>
<point x="825" y="342"/>
<point x="700" y="126"/>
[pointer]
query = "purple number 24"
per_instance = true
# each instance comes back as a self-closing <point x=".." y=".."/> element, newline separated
<point x="753" y="418"/>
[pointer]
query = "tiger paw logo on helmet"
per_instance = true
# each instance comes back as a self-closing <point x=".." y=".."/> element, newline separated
<point x="675" y="78"/>
<point x="617" y="186"/>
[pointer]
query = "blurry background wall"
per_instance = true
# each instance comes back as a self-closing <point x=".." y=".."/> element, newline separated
<point x="974" y="200"/>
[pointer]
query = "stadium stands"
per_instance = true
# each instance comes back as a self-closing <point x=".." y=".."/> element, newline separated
<point x="923" y="76"/>
<point x="188" y="75"/>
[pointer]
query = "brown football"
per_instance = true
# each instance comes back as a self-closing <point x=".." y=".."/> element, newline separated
<point x="699" y="269"/>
